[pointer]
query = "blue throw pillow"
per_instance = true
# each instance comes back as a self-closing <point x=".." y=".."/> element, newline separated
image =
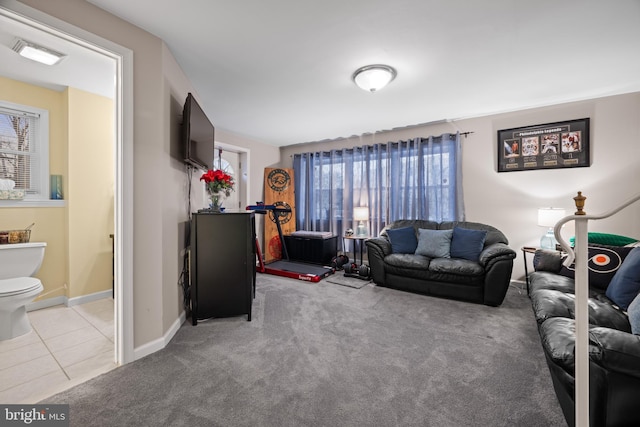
<point x="467" y="244"/>
<point x="634" y="315"/>
<point x="403" y="240"/>
<point x="625" y="285"/>
<point x="434" y="243"/>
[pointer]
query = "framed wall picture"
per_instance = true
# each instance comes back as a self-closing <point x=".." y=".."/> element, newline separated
<point x="546" y="146"/>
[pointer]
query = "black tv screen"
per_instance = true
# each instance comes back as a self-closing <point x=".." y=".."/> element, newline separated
<point x="197" y="135"/>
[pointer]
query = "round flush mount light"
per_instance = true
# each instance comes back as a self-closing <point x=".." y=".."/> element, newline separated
<point x="372" y="78"/>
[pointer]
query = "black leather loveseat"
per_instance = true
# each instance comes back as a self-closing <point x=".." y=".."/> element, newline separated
<point x="482" y="279"/>
<point x="614" y="352"/>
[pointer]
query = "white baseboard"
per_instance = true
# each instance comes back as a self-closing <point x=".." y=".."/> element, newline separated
<point x="160" y="343"/>
<point x="88" y="298"/>
<point x="46" y="303"/>
<point x="66" y="301"/>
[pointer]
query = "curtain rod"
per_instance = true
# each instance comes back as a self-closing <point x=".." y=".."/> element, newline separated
<point x="465" y="134"/>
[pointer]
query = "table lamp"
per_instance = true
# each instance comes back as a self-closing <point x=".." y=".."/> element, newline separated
<point x="361" y="214"/>
<point x="547" y="217"/>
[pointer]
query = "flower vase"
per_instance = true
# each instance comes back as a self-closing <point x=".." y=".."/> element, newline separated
<point x="216" y="202"/>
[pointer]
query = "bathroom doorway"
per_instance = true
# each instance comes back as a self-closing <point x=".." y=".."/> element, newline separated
<point x="37" y="23"/>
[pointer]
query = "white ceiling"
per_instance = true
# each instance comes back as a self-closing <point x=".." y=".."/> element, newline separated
<point x="280" y="71"/>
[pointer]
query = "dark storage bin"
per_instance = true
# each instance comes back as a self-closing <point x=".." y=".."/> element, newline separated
<point x="310" y="247"/>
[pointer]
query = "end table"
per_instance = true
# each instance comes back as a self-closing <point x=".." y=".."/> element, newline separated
<point x="360" y="241"/>
<point x="527" y="250"/>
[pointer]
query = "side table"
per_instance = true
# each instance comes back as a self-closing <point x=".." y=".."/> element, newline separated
<point x="360" y="241"/>
<point x="527" y="250"/>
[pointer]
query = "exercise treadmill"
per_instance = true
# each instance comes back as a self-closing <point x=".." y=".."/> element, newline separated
<point x="284" y="267"/>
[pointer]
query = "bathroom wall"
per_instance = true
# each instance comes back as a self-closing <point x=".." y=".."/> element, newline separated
<point x="90" y="192"/>
<point x="78" y="250"/>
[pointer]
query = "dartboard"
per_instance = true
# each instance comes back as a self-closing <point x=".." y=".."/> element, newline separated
<point x="284" y="217"/>
<point x="278" y="180"/>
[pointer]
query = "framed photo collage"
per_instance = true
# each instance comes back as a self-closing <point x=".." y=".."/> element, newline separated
<point x="546" y="146"/>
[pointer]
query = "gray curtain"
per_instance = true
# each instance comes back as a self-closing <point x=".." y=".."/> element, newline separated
<point x="416" y="179"/>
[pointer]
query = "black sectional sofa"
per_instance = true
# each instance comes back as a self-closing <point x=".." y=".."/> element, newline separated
<point x="483" y="280"/>
<point x="614" y="352"/>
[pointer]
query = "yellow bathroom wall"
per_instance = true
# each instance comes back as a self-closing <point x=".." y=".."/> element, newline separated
<point x="50" y="222"/>
<point x="90" y="192"/>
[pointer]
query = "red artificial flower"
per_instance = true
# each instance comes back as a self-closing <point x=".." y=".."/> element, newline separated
<point x="218" y="181"/>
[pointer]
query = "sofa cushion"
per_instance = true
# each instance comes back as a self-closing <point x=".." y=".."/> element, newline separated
<point x="603" y="262"/>
<point x="557" y="336"/>
<point x="548" y="303"/>
<point x="403" y="240"/>
<point x="547" y="260"/>
<point x="410" y="265"/>
<point x="434" y="243"/>
<point x="625" y="284"/>
<point x="467" y="243"/>
<point x="408" y="261"/>
<point x="616" y="351"/>
<point x="460" y="267"/>
<point x="546" y="280"/>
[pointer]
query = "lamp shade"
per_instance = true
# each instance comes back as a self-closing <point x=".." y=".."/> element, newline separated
<point x="374" y="77"/>
<point x="547" y="217"/>
<point x="361" y="213"/>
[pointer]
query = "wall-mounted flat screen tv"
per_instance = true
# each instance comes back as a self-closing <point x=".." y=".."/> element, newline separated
<point x="197" y="135"/>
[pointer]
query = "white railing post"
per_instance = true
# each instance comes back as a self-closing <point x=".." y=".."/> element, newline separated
<point x="581" y="315"/>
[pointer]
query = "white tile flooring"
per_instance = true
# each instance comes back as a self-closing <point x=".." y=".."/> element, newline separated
<point x="67" y="346"/>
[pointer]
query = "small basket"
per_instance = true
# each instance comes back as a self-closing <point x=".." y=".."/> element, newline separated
<point x="14" y="236"/>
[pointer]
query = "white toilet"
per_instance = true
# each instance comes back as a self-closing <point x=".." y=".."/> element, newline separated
<point x="18" y="262"/>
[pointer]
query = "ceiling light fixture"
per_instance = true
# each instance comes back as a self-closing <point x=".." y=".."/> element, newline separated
<point x="37" y="53"/>
<point x="372" y="78"/>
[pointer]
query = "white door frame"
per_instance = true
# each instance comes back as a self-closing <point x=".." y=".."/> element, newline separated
<point x="123" y="191"/>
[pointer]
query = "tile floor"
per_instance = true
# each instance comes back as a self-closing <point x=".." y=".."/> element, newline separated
<point x="67" y="346"/>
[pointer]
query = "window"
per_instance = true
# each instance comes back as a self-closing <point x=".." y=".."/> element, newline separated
<point x="417" y="179"/>
<point x="24" y="149"/>
<point x="224" y="165"/>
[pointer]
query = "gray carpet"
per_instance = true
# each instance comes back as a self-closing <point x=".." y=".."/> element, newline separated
<point x="317" y="354"/>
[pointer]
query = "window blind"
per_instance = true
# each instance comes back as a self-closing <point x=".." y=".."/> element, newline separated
<point x="19" y="152"/>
